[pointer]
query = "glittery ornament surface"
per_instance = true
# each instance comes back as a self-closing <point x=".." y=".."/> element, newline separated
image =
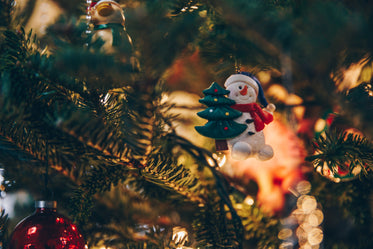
<point x="46" y="229"/>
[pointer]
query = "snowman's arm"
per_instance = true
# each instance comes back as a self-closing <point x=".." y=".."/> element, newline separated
<point x="270" y="108"/>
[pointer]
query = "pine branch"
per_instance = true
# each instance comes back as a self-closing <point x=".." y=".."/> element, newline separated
<point x="258" y="226"/>
<point x="59" y="105"/>
<point x="232" y="33"/>
<point x="160" y="170"/>
<point x="357" y="106"/>
<point x="15" y="133"/>
<point x="342" y="150"/>
<point x="345" y="202"/>
<point x="3" y="228"/>
<point x="24" y="132"/>
<point x="219" y="194"/>
<point x="5" y="10"/>
<point x="131" y="218"/>
<point x="215" y="227"/>
<point x="164" y="40"/>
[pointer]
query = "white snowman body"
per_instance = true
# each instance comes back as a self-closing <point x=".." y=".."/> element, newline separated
<point x="244" y="90"/>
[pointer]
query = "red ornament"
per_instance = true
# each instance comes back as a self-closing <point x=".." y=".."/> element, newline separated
<point x="46" y="229"/>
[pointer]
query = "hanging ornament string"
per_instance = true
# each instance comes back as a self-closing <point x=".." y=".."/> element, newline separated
<point x="237" y="65"/>
<point x="88" y="16"/>
<point x="46" y="171"/>
<point x="48" y="194"/>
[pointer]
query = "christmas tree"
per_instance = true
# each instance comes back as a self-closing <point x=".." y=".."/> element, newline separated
<point x="103" y="129"/>
<point x="220" y="116"/>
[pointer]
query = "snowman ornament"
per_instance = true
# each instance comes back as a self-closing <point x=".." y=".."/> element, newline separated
<point x="108" y="19"/>
<point x="245" y="89"/>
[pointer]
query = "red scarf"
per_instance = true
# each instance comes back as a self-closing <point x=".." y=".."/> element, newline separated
<point x="260" y="116"/>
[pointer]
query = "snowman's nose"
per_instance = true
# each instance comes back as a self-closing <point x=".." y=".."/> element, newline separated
<point x="244" y="91"/>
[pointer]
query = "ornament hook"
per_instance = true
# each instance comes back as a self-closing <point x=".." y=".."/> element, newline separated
<point x="237" y="66"/>
<point x="47" y="192"/>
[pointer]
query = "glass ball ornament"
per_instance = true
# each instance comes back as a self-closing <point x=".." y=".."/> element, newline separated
<point x="46" y="229"/>
<point x="340" y="173"/>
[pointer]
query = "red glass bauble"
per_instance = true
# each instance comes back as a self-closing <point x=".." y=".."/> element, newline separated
<point x="46" y="229"/>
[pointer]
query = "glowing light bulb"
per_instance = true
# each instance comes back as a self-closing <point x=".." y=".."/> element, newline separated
<point x="315" y="236"/>
<point x="285" y="233"/>
<point x="249" y="200"/>
<point x="31" y="230"/>
<point x="303" y="187"/>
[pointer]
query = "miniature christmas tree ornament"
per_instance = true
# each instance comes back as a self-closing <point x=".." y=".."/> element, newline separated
<point x="220" y="116"/>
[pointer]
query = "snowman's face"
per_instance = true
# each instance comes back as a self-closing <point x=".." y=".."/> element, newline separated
<point x="242" y="93"/>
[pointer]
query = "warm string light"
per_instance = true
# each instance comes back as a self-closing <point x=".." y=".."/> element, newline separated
<point x="180" y="237"/>
<point x="189" y="8"/>
<point x="249" y="200"/>
<point x="302" y="227"/>
<point x="369" y="89"/>
<point x="88" y="18"/>
<point x="220" y="158"/>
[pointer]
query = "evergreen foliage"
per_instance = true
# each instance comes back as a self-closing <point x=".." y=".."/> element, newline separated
<point x="3" y="228"/>
<point x="344" y="151"/>
<point x="116" y="164"/>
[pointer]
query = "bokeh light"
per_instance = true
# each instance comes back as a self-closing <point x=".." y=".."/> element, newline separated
<point x="302" y="228"/>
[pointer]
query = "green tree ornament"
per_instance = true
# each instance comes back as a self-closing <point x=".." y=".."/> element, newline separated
<point x="220" y="116"/>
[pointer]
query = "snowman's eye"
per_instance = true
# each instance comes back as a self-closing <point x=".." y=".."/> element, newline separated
<point x="240" y="87"/>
